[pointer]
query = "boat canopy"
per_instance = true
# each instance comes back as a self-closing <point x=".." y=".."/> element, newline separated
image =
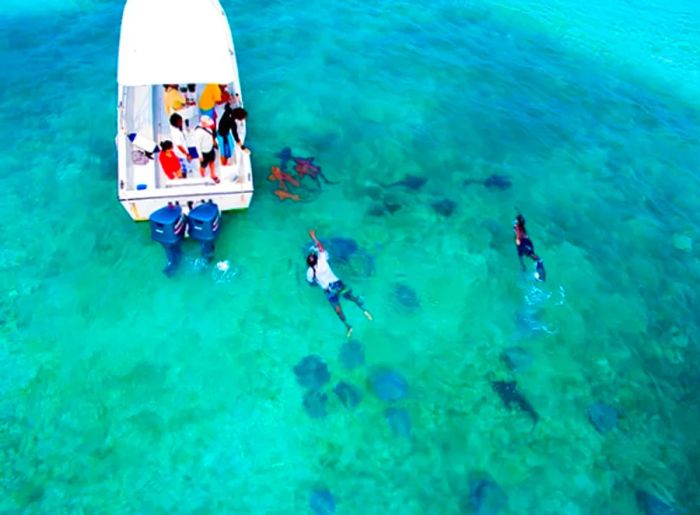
<point x="175" y="42"/>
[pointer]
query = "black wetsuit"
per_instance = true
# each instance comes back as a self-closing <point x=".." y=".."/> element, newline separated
<point x="525" y="247"/>
<point x="227" y="124"/>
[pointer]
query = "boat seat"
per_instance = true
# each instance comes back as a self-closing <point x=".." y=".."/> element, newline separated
<point x="144" y="174"/>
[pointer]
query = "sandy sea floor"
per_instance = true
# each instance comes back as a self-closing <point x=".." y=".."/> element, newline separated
<point x="122" y="391"/>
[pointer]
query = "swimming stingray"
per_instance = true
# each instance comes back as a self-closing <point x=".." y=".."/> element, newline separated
<point x="412" y="182"/>
<point x="348" y="394"/>
<point x="517" y="359"/>
<point x="486" y="497"/>
<point x="444" y="207"/>
<point x="322" y="502"/>
<point x="406" y="296"/>
<point x="493" y="182"/>
<point x="650" y="504"/>
<point x="305" y="166"/>
<point x="388" y="384"/>
<point x="314" y="403"/>
<point x="312" y="372"/>
<point x="346" y="250"/>
<point x="509" y="394"/>
<point x="390" y="204"/>
<point x="285" y="156"/>
<point x="352" y="354"/>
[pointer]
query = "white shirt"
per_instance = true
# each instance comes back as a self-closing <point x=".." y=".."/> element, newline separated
<point x="179" y="140"/>
<point x="203" y="140"/>
<point x="324" y="275"/>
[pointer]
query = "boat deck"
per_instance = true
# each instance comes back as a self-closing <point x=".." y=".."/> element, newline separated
<point x="143" y="186"/>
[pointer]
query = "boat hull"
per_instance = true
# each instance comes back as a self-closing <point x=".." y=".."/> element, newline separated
<point x="140" y="209"/>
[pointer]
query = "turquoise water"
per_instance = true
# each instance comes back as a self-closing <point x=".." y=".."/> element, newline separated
<point x="123" y="391"/>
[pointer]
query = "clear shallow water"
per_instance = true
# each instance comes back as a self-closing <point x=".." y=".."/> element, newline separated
<point x="123" y="391"/>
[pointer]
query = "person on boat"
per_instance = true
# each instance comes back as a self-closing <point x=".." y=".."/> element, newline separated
<point x="213" y="95"/>
<point x="173" y="99"/>
<point x="526" y="248"/>
<point x="228" y="132"/>
<point x="169" y="162"/>
<point x="205" y="142"/>
<point x="239" y="116"/>
<point x="190" y="94"/>
<point x="177" y="135"/>
<point x="319" y="272"/>
<point x="224" y="134"/>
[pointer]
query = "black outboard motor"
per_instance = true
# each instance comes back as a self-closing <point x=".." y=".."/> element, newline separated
<point x="168" y="228"/>
<point x="204" y="223"/>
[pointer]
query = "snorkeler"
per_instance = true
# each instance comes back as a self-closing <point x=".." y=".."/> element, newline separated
<point x="319" y="272"/>
<point x="526" y="248"/>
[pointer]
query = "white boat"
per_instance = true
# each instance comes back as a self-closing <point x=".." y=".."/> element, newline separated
<point x="184" y="43"/>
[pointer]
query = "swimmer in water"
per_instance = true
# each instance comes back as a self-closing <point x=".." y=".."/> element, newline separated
<point x="526" y="248"/>
<point x="319" y="272"/>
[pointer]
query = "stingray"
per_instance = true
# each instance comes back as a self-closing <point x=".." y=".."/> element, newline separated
<point x="486" y="497"/>
<point x="412" y="182"/>
<point x="352" y="355"/>
<point x="285" y="156"/>
<point x="342" y="250"/>
<point x="391" y="205"/>
<point x="315" y="403"/>
<point x="509" y="394"/>
<point x="444" y="207"/>
<point x="321" y="502"/>
<point x="305" y="166"/>
<point x="652" y="505"/>
<point x="348" y="394"/>
<point x="406" y="296"/>
<point x="312" y="372"/>
<point x="493" y="182"/>
<point x="603" y="417"/>
<point x="388" y="206"/>
<point x="516" y="359"/>
<point x="389" y="385"/>
<point x="377" y="210"/>
<point x="399" y="421"/>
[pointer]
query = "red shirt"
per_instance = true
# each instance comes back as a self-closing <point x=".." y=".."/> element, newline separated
<point x="170" y="163"/>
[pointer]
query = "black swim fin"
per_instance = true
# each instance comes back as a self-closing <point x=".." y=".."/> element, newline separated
<point x="540" y="273"/>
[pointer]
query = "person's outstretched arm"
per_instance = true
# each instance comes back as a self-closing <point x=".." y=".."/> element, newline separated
<point x="318" y="244"/>
<point x="237" y="138"/>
